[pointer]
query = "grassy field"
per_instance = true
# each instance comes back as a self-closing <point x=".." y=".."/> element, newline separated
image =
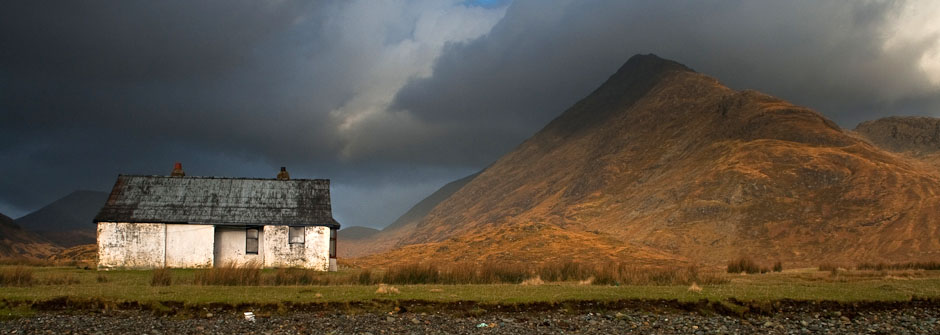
<point x="78" y="285"/>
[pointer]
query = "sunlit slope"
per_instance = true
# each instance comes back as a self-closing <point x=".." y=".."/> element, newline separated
<point x="663" y="163"/>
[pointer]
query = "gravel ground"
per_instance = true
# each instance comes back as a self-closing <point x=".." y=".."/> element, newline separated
<point x="798" y="319"/>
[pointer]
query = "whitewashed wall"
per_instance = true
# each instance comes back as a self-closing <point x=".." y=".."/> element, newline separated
<point x="314" y="253"/>
<point x="131" y="245"/>
<point x="189" y="245"/>
<point x="155" y="245"/>
<point x="230" y="246"/>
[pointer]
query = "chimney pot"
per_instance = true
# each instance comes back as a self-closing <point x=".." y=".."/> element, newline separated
<point x="178" y="170"/>
<point x="283" y="175"/>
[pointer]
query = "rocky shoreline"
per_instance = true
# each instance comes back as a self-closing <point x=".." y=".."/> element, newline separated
<point x="789" y="318"/>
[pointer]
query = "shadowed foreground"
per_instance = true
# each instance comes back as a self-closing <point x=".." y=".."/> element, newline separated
<point x="918" y="317"/>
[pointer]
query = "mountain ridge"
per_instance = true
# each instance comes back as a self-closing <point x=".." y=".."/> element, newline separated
<point x="903" y="134"/>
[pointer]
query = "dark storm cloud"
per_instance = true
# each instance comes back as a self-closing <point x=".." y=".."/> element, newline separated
<point x="119" y="86"/>
<point x="542" y="57"/>
<point x="391" y="99"/>
<point x="233" y="88"/>
<point x="134" y="40"/>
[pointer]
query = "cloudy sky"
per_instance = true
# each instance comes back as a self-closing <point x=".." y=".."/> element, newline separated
<point x="392" y="99"/>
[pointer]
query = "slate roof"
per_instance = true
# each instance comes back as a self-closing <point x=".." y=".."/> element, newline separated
<point x="214" y="200"/>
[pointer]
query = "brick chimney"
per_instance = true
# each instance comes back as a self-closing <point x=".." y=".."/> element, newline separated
<point x="178" y="170"/>
<point x="283" y="175"/>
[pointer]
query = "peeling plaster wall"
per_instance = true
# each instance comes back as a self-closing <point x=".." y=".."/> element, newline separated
<point x="131" y="245"/>
<point x="189" y="245"/>
<point x="155" y="245"/>
<point x="314" y="253"/>
<point x="230" y="246"/>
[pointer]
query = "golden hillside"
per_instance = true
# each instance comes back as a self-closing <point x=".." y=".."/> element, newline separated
<point x="663" y="164"/>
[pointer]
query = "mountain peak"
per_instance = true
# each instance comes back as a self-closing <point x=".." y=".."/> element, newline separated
<point x="642" y="69"/>
<point x="633" y="80"/>
<point x="648" y="65"/>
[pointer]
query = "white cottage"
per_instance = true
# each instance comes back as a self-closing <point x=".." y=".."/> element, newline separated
<point x="198" y="222"/>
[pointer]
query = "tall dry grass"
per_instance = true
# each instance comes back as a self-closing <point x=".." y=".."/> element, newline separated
<point x="899" y="266"/>
<point x="230" y="274"/>
<point x="834" y="268"/>
<point x="161" y="277"/>
<point x="746" y="265"/>
<point x="61" y="279"/>
<point x="566" y="271"/>
<point x="365" y="278"/>
<point x="25" y="261"/>
<point x="603" y="274"/>
<point x="297" y="276"/>
<point x="497" y="273"/>
<point x="623" y="274"/>
<point x="456" y="274"/>
<point x="16" y="276"/>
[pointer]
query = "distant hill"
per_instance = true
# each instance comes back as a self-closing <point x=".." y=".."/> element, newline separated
<point x="6" y="221"/>
<point x="903" y="134"/>
<point x="357" y="244"/>
<point x="67" y="221"/>
<point x="423" y="207"/>
<point x="664" y="165"/>
<point x="356" y="233"/>
<point x="16" y="242"/>
<point x="917" y="137"/>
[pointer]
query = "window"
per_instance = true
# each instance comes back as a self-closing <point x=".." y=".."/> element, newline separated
<point x="296" y="235"/>
<point x="251" y="241"/>
<point x="332" y="242"/>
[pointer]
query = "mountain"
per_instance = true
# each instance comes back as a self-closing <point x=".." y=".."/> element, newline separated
<point x="663" y="165"/>
<point x="917" y="137"/>
<point x="7" y="222"/>
<point x="357" y="233"/>
<point x="16" y="242"/>
<point x="357" y="243"/>
<point x="903" y="134"/>
<point x="67" y="221"/>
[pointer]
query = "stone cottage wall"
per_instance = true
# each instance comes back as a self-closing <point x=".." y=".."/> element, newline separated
<point x="230" y="247"/>
<point x="131" y="245"/>
<point x="314" y="253"/>
<point x="189" y="245"/>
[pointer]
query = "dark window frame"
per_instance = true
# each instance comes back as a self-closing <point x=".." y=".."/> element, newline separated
<point x="333" y="233"/>
<point x="248" y="240"/>
<point x="290" y="234"/>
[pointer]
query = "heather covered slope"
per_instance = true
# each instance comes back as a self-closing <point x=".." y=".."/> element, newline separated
<point x="16" y="242"/>
<point x="662" y="162"/>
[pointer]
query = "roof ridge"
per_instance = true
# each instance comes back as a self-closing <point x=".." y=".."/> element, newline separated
<point x="217" y="177"/>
